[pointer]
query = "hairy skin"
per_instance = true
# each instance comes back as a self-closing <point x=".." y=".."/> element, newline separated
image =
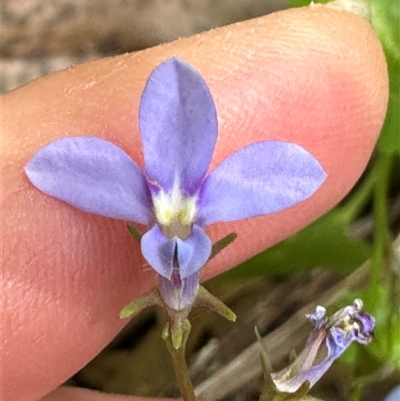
<point x="314" y="76"/>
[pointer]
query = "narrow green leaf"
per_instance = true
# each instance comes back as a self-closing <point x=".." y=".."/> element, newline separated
<point x="325" y="243"/>
<point x="386" y="344"/>
<point x="386" y="23"/>
<point x="389" y="140"/>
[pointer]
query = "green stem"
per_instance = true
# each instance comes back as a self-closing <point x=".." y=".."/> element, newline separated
<point x="355" y="394"/>
<point x="380" y="178"/>
<point x="359" y="199"/>
<point x="179" y="362"/>
<point x="381" y="231"/>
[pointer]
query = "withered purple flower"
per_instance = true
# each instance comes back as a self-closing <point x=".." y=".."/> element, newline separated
<point x="328" y="340"/>
<point x="174" y="197"/>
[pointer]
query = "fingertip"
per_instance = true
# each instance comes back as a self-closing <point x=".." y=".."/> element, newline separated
<point x="319" y="80"/>
<point x="313" y="76"/>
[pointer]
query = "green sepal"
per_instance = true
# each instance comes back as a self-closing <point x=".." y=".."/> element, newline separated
<point x="205" y="298"/>
<point x="136" y="234"/>
<point x="180" y="333"/>
<point x="222" y="244"/>
<point x="292" y="356"/>
<point x="177" y="330"/>
<point x="149" y="299"/>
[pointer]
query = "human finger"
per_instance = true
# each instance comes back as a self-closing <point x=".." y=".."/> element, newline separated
<point x="313" y="76"/>
<point x="80" y="394"/>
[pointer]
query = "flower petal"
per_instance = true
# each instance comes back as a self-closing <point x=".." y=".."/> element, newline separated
<point x="159" y="251"/>
<point x="394" y="394"/>
<point x="94" y="175"/>
<point x="336" y="343"/>
<point x="162" y="253"/>
<point x="179" y="294"/>
<point x="312" y="375"/>
<point x="193" y="252"/>
<point x="262" y="178"/>
<point x="367" y="322"/>
<point x="336" y="334"/>
<point x="178" y="125"/>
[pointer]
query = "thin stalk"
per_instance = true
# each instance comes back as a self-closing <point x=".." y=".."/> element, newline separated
<point x="381" y="231"/>
<point x="355" y="394"/>
<point x="380" y="177"/>
<point x="179" y="363"/>
<point x="360" y="197"/>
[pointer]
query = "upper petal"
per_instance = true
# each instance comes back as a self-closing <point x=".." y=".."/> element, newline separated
<point x="94" y="175"/>
<point x="193" y="252"/>
<point x="178" y="125"/>
<point x="264" y="177"/>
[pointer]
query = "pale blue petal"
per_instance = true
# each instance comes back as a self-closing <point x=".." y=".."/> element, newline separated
<point x="159" y="251"/>
<point x="394" y="395"/>
<point x="336" y="343"/>
<point x="367" y="322"/>
<point x="193" y="252"/>
<point x="166" y="254"/>
<point x="93" y="175"/>
<point x="262" y="178"/>
<point x="178" y="293"/>
<point x="178" y="125"/>
<point x="312" y="375"/>
<point x="358" y="326"/>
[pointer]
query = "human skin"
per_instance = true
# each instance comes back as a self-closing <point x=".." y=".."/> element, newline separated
<point x="313" y="76"/>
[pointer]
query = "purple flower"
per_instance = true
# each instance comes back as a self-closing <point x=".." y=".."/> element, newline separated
<point x="394" y="395"/>
<point x="329" y="339"/>
<point x="174" y="197"/>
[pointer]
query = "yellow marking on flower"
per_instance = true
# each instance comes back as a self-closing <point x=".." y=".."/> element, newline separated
<point x="187" y="213"/>
<point x="174" y="207"/>
<point x="166" y="216"/>
<point x="348" y="324"/>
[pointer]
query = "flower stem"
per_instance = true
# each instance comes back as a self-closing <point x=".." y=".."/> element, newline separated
<point x="381" y="234"/>
<point x="179" y="361"/>
<point x="380" y="250"/>
<point x="360" y="197"/>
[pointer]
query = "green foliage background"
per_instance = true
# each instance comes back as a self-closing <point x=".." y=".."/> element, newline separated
<point x="327" y="243"/>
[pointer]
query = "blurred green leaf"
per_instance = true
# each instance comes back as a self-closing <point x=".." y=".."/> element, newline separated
<point x="389" y="140"/>
<point x="385" y="20"/>
<point x="324" y="243"/>
<point x="386" y="23"/>
<point x="386" y="345"/>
